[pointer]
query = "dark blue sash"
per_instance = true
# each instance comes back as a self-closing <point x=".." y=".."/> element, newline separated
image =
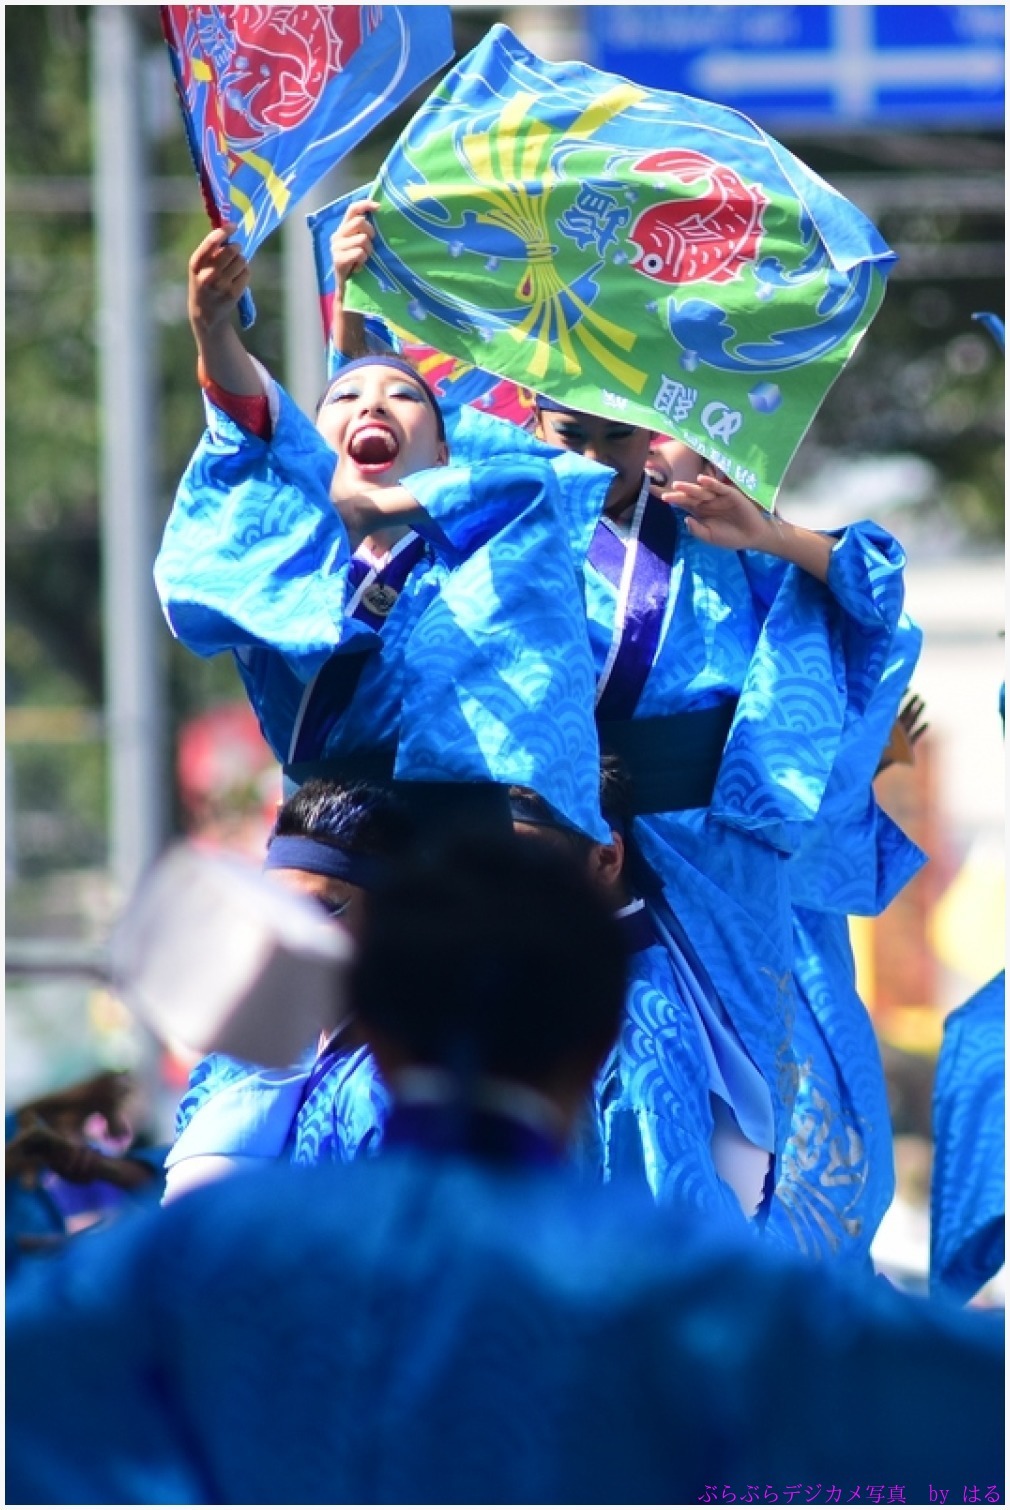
<point x="637" y="931"/>
<point x="672" y="763"/>
<point x="455" y="1128"/>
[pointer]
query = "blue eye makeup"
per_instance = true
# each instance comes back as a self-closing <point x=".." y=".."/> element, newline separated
<point x="341" y="392"/>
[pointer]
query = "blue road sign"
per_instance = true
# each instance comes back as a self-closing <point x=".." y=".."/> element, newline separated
<point x="815" y="65"/>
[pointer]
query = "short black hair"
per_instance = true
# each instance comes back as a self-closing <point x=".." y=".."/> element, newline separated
<point x="617" y="802"/>
<point x="361" y="817"/>
<point x="497" y="954"/>
<point x="616" y="805"/>
<point x="527" y="806"/>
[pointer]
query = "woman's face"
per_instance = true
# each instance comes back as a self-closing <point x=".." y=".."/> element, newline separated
<point x="610" y="442"/>
<point x="382" y="427"/>
<point x="339" y="898"/>
<point x="670" y="461"/>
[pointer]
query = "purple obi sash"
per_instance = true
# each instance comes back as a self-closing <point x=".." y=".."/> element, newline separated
<point x="672" y="762"/>
<point x="639" y="569"/>
<point x="374" y="589"/>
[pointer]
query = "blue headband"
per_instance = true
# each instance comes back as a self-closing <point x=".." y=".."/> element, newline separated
<point x="553" y="405"/>
<point x="291" y="852"/>
<point x="384" y="359"/>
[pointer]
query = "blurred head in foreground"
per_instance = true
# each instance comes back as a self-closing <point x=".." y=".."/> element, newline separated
<point x="495" y="959"/>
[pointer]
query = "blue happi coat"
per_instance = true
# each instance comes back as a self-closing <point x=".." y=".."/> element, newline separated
<point x="420" y="1329"/>
<point x="327" y="1108"/>
<point x="818" y="670"/>
<point x="967" y="1236"/>
<point x="653" y="1104"/>
<point x="801" y="657"/>
<point x="480" y="671"/>
<point x="837" y="1172"/>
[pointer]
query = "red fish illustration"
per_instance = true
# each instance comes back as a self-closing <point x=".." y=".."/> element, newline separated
<point x="269" y="63"/>
<point x="708" y="237"/>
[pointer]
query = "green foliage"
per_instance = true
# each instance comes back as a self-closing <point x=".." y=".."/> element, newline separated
<point x="928" y="378"/>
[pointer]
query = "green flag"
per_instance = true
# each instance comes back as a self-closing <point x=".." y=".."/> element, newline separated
<point x="640" y="255"/>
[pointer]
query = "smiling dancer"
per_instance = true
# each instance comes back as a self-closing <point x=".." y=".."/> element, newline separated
<point x="393" y="616"/>
<point x="736" y="657"/>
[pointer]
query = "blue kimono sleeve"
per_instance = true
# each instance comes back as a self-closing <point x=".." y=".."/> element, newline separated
<point x="238" y="1109"/>
<point x="206" y="1078"/>
<point x="462" y="516"/>
<point x="820" y="655"/>
<point x="254" y="555"/>
<point x="500" y="676"/>
<point x="968" y="1195"/>
<point x="654" y="1110"/>
<point x="836" y="1174"/>
<point x="476" y="439"/>
<point x="854" y="858"/>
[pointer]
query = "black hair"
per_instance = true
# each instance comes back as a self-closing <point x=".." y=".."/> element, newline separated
<point x="496" y="953"/>
<point x="360" y="817"/>
<point x="528" y="807"/>
<point x="616" y="793"/>
<point x="616" y="805"/>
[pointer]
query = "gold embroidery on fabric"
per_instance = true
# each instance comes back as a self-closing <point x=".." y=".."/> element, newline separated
<point x="825" y="1152"/>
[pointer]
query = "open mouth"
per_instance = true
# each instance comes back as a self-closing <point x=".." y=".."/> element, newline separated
<point x="373" y="448"/>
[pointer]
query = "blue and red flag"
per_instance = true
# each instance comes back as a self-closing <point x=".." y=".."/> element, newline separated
<point x="273" y="96"/>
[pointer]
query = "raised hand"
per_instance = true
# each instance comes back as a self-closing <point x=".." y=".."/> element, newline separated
<point x="911" y="718"/>
<point x="720" y="514"/>
<point x="350" y="248"/>
<point x="218" y="277"/>
<point x="351" y="244"/>
<point x="907" y="730"/>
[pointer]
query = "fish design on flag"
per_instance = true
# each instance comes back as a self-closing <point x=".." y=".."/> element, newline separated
<point x="707" y="237"/>
<point x="532" y="224"/>
<point x="270" y="64"/>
